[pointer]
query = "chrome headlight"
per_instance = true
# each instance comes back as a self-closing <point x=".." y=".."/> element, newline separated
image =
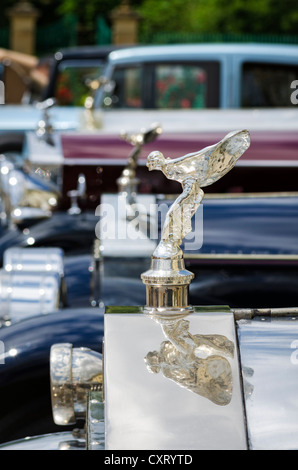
<point x="31" y="282"/>
<point x="73" y="372"/>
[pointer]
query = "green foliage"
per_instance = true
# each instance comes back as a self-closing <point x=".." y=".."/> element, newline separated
<point x="220" y="16"/>
<point x="165" y="16"/>
<point x="87" y="11"/>
<point x="187" y="16"/>
<point x="52" y="10"/>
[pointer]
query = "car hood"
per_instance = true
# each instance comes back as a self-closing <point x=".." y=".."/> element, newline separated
<point x="26" y="117"/>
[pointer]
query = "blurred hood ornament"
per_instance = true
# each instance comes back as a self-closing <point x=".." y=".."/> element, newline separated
<point x="167" y="280"/>
<point x="78" y="193"/>
<point x="128" y="182"/>
<point x="44" y="128"/>
<point x="91" y="119"/>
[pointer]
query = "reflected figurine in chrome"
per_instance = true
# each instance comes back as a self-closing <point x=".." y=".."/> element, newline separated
<point x="198" y="363"/>
<point x="193" y="171"/>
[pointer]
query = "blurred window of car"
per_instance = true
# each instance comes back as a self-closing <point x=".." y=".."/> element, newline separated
<point x="126" y="92"/>
<point x="166" y="85"/>
<point x="180" y="86"/>
<point x="267" y="85"/>
<point x="72" y="82"/>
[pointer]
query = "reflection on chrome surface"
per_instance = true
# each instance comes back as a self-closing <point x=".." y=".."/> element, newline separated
<point x="73" y="373"/>
<point x="266" y="348"/>
<point x="247" y="374"/>
<point x="34" y="277"/>
<point x="56" y="441"/>
<point x="95" y="422"/>
<point x="194" y="402"/>
<point x="196" y="362"/>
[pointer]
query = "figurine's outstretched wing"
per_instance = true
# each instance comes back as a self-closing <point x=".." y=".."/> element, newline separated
<point x="221" y="157"/>
<point x="211" y="163"/>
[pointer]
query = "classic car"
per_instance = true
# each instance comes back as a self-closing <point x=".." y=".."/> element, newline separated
<point x="200" y="76"/>
<point x="248" y="260"/>
<point x="81" y="65"/>
<point x="217" y="76"/>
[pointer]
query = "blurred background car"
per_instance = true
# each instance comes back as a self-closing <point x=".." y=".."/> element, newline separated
<point x="199" y="76"/>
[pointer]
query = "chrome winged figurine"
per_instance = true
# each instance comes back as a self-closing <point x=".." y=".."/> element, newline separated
<point x="194" y="171"/>
<point x="167" y="280"/>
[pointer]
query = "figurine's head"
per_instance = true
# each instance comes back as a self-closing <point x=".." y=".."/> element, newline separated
<point x="155" y="160"/>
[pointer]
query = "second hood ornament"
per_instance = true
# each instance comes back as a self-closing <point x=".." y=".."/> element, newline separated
<point x="167" y="280"/>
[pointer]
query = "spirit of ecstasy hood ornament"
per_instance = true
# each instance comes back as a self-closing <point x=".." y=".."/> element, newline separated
<point x="167" y="280"/>
<point x="128" y="181"/>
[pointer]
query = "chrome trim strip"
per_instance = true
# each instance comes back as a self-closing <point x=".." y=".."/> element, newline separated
<point x="240" y="256"/>
<point x="271" y="194"/>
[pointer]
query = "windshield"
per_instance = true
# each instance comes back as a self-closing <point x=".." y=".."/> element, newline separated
<point x="72" y="85"/>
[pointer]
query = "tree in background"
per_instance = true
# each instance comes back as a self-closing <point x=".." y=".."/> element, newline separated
<point x="220" y="16"/>
<point x="87" y="11"/>
<point x="183" y="16"/>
